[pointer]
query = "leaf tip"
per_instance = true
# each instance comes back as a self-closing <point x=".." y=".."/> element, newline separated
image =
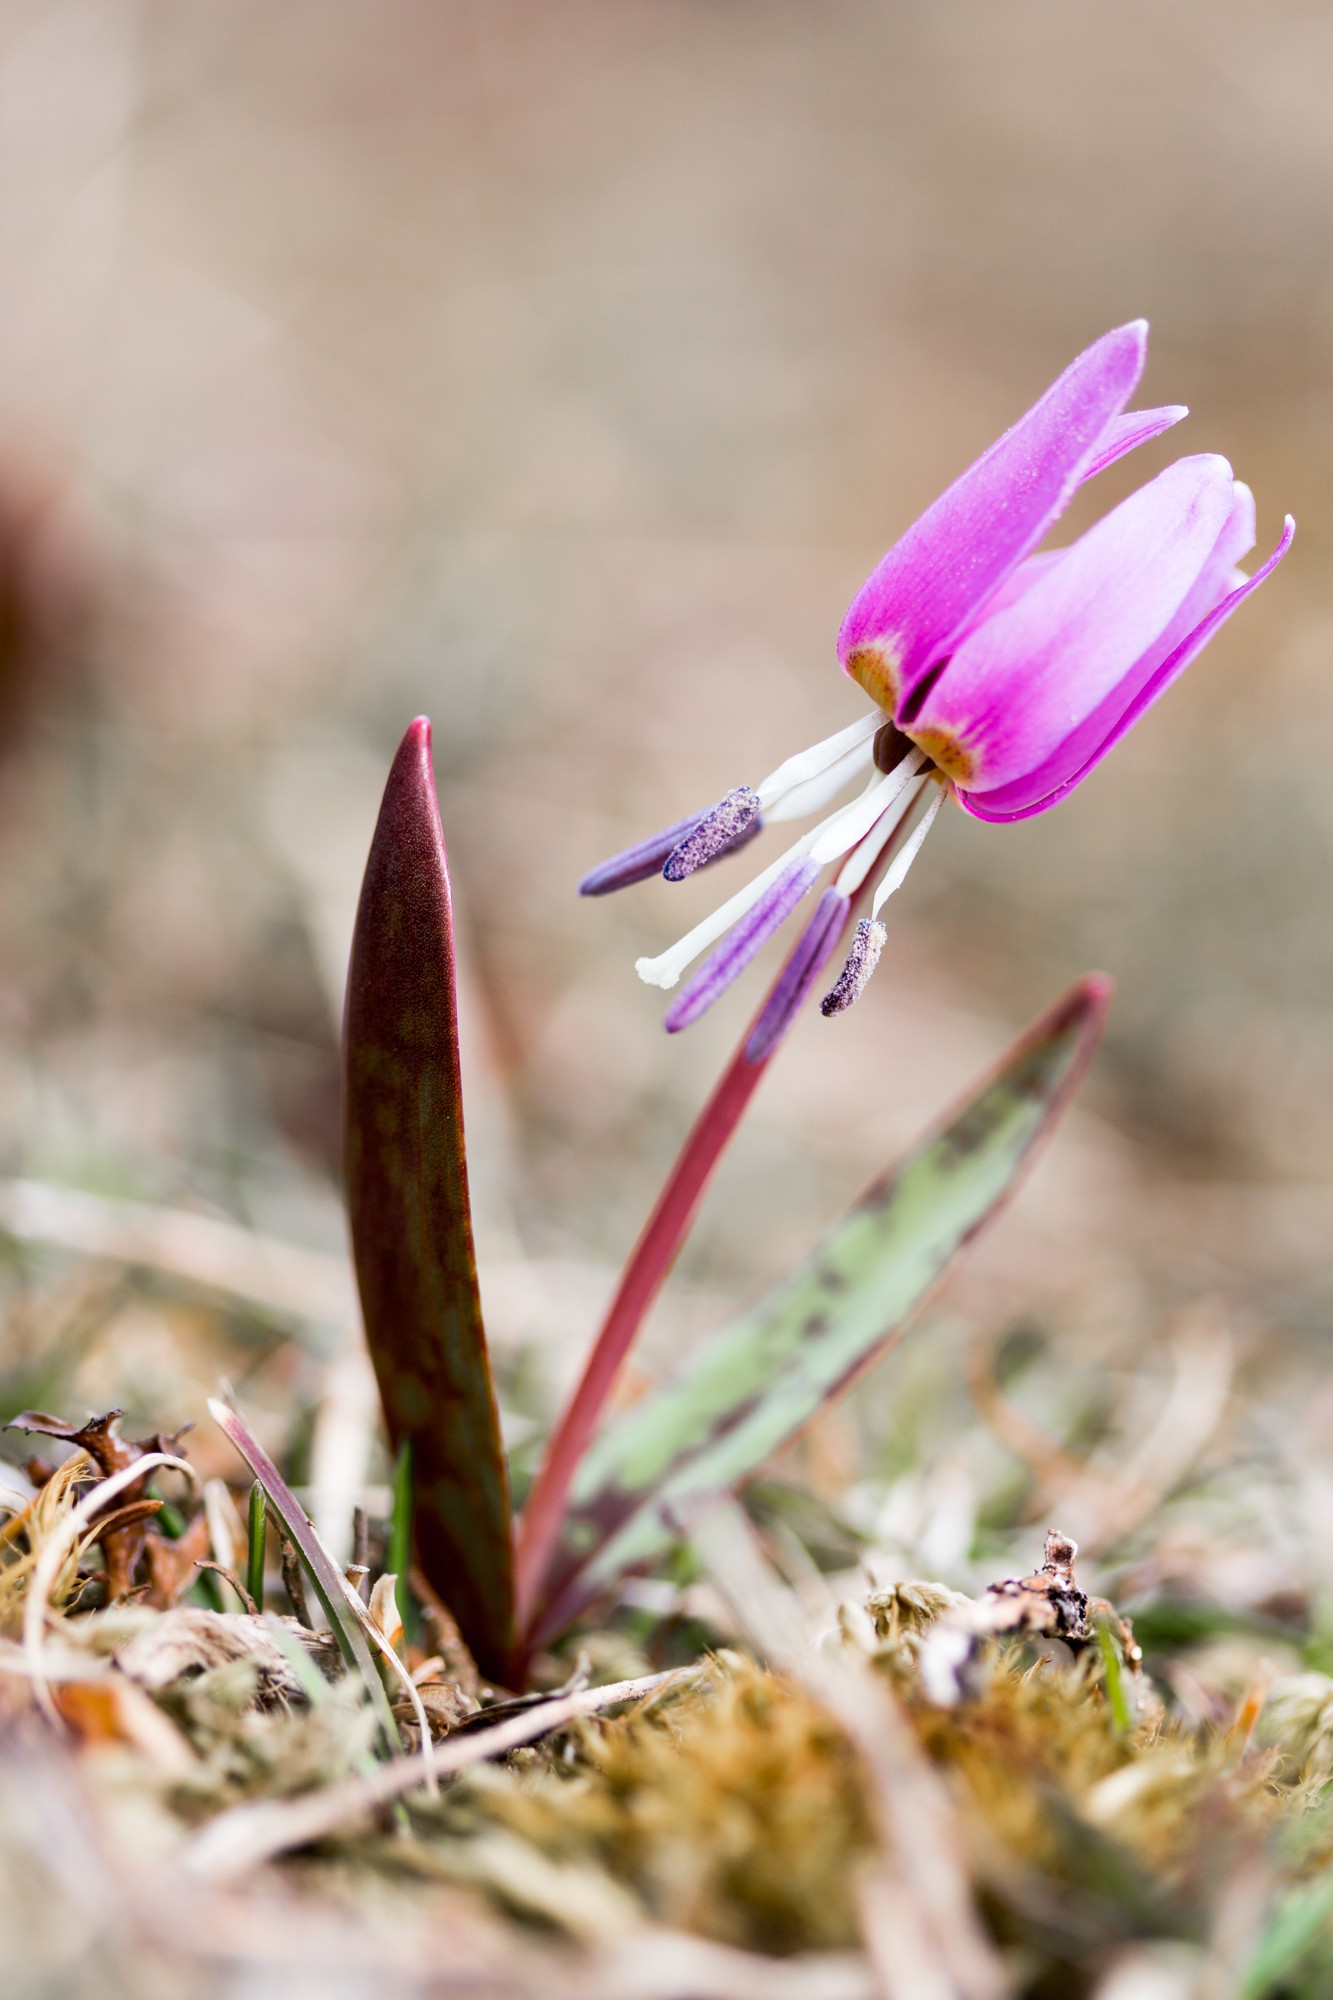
<point x="1089" y="998"/>
<point x="408" y="832"/>
<point x="412" y="773"/>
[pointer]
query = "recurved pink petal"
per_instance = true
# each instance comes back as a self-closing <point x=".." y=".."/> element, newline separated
<point x="1028" y="679"/>
<point x="996" y="806"/>
<point x="1233" y="545"/>
<point x="957" y="554"/>
<point x="1217" y="576"/>
<point x="1127" y="433"/>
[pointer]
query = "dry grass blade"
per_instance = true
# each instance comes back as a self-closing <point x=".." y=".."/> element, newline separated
<point x="227" y="1540"/>
<point x="1105" y="1502"/>
<point x="662" y="1965"/>
<point x="58" y="1664"/>
<point x="248" y="1835"/>
<point x="33" y="1523"/>
<point x="400" y="1673"/>
<point x="200" y="1250"/>
<point x="58" y="1545"/>
<point x="16" y="1490"/>
<point x="1194" y="1407"/>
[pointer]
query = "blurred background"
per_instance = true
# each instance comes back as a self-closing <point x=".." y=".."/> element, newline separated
<point x="559" y="370"/>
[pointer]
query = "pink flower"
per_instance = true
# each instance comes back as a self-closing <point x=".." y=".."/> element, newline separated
<point x="999" y="676"/>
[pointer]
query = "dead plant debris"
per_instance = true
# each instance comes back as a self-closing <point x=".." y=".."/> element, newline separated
<point x="730" y="1806"/>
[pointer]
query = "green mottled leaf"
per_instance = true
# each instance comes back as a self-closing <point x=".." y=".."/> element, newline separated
<point x="407" y="1204"/>
<point x="760" y="1380"/>
<point x="1299" y="1930"/>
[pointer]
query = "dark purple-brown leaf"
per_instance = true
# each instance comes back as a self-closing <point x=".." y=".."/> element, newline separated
<point x="407" y="1201"/>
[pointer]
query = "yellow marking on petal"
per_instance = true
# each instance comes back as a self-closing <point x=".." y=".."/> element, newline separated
<point x="875" y="668"/>
<point x="947" y="753"/>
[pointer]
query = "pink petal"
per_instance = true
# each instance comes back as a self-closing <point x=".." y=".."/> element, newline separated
<point x="1155" y="686"/>
<point x="1028" y="679"/>
<point x="1217" y="576"/>
<point x="1127" y="433"/>
<point x="1017" y="584"/>
<point x="965" y="544"/>
<point x="1122" y="435"/>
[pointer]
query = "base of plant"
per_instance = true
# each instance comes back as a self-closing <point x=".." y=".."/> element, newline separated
<point x="708" y="1812"/>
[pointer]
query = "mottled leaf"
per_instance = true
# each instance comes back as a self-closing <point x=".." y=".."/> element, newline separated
<point x="407" y="1203"/>
<point x="1291" y="1958"/>
<point x="752" y="1386"/>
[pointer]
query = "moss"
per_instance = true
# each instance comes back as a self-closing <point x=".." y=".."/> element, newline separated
<point x="739" y="1812"/>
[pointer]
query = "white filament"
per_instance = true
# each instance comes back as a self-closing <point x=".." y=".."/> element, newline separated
<point x="859" y="864"/>
<point x="666" y="969"/>
<point x="812" y="763"/>
<point x="815" y="792"/>
<point x="843" y="829"/>
<point x="896" y="873"/>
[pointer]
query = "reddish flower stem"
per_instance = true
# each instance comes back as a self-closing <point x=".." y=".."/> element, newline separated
<point x="643" y="1277"/>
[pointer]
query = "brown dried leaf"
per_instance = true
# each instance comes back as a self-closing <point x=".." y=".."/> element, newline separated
<point x="124" y="1536"/>
<point x="446" y="1707"/>
<point x="173" y="1566"/>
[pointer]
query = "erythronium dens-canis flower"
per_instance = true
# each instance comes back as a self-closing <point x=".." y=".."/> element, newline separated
<point x="998" y="676"/>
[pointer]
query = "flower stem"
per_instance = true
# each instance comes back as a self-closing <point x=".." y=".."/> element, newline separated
<point x="643" y="1277"/>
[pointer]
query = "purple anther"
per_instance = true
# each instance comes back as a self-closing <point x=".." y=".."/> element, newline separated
<point x="741" y="943"/>
<point x="851" y="982"/>
<point x="636" y="864"/>
<point x="725" y="827"/>
<point x="798" y="975"/>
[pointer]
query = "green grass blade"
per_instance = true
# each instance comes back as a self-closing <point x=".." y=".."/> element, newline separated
<point x="407" y="1203"/>
<point x="254" y="1551"/>
<point x="1113" y="1676"/>
<point x="1300" y="1923"/>
<point x="318" y="1563"/>
<point x="759" y="1381"/>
